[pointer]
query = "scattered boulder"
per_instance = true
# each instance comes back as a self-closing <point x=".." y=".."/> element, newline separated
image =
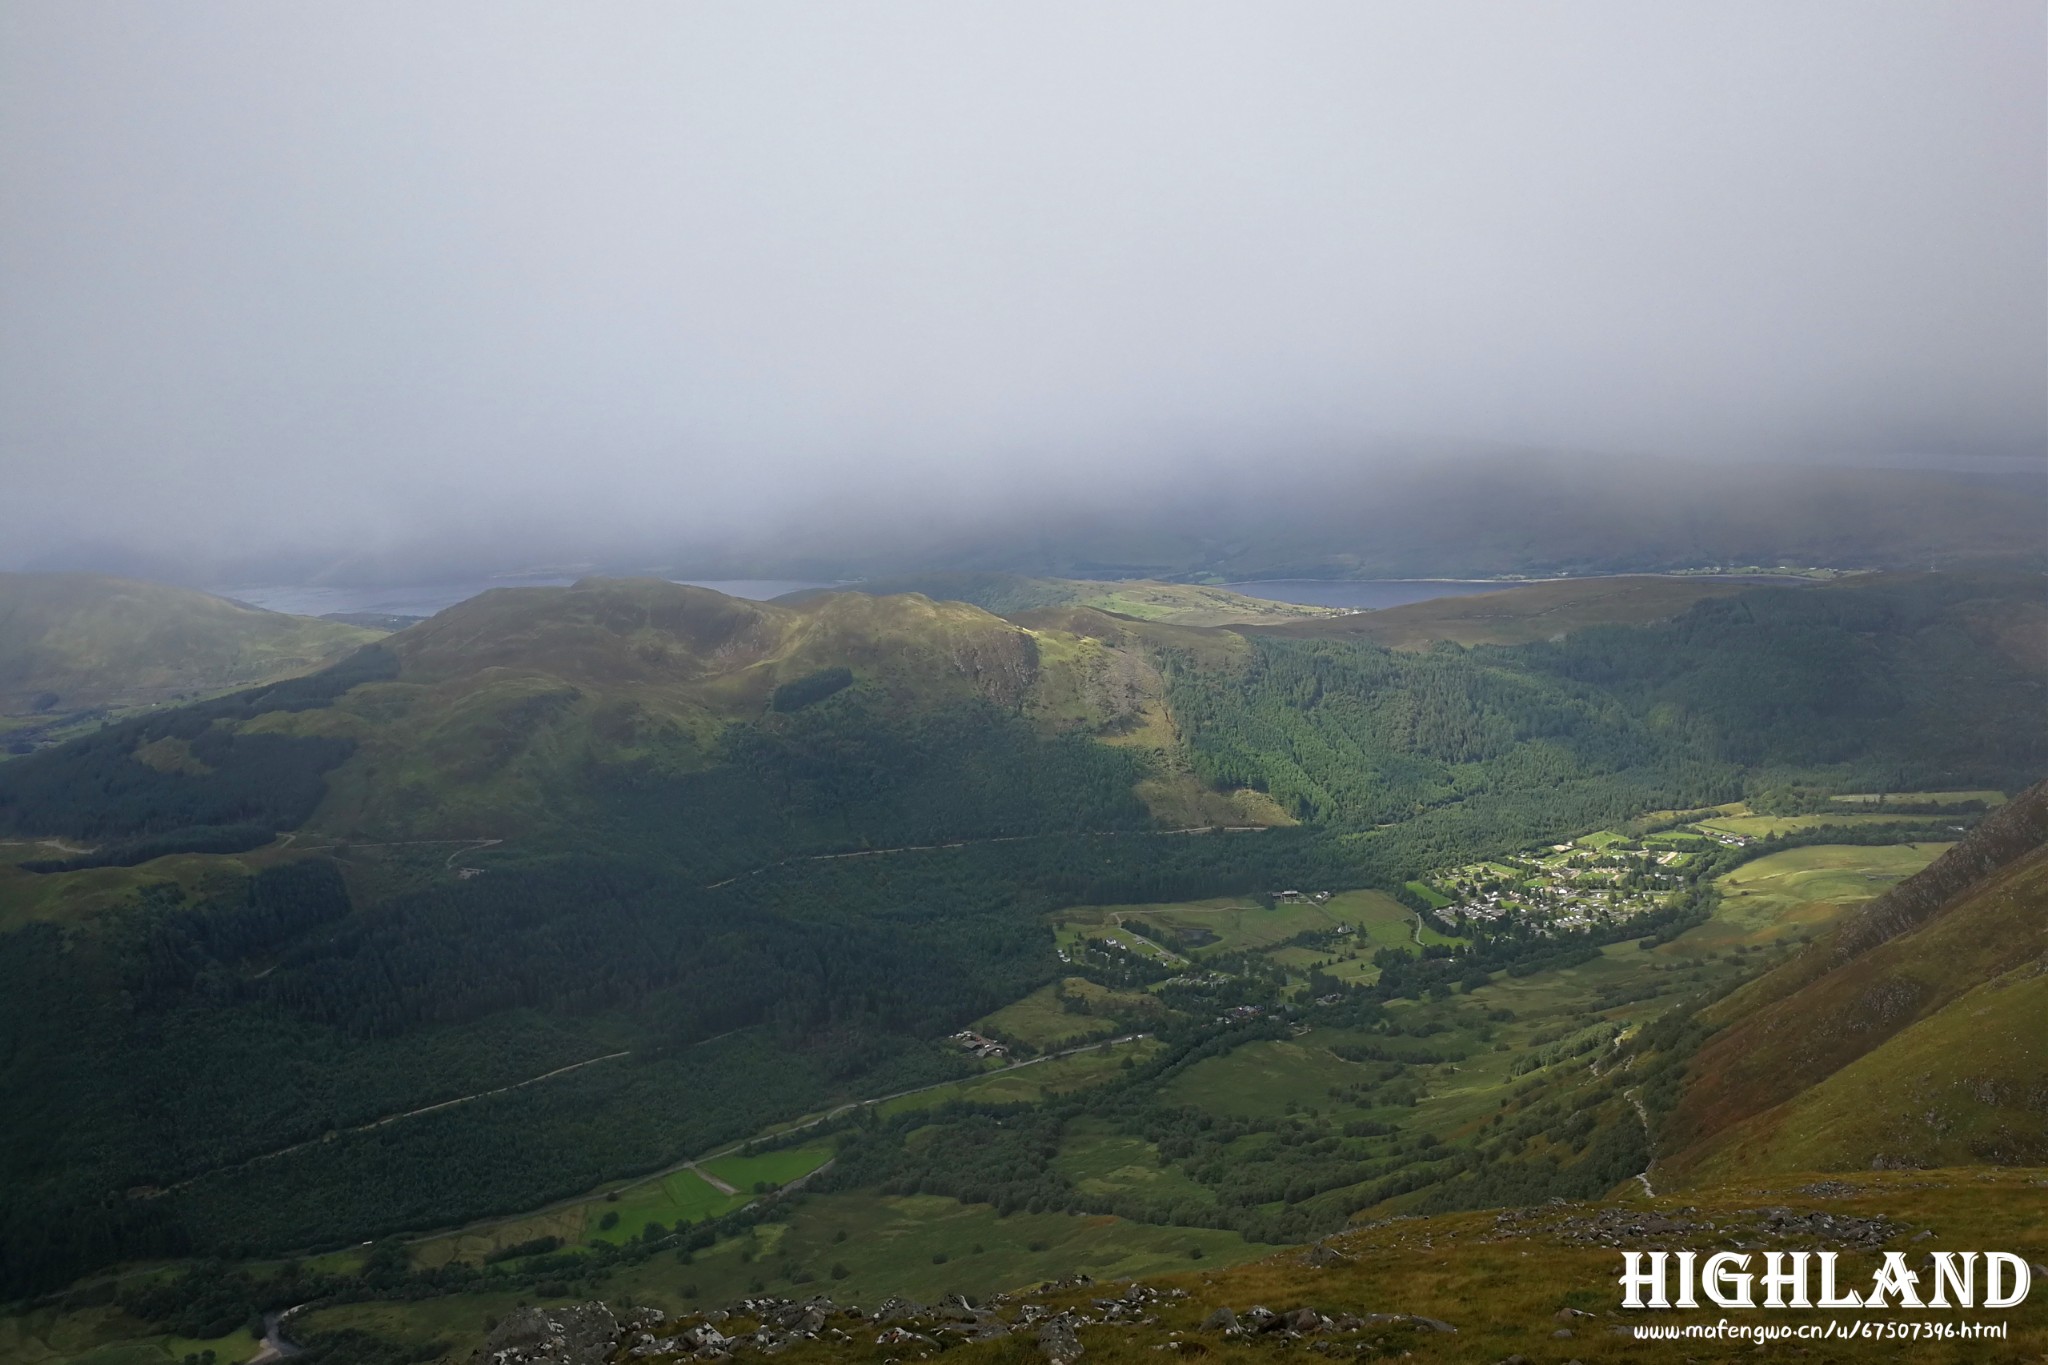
<point x="574" y="1334"/>
<point x="899" y="1336"/>
<point x="1058" y="1342"/>
<point x="896" y="1310"/>
<point x="1220" y="1320"/>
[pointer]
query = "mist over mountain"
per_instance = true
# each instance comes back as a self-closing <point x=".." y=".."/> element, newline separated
<point x="640" y="286"/>
<point x="1449" y="515"/>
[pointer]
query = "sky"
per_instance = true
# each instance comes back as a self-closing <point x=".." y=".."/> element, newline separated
<point x="357" y="278"/>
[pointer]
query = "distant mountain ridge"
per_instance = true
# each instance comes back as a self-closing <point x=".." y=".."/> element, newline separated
<point x="74" y="641"/>
<point x="1536" y="514"/>
<point x="1007" y="594"/>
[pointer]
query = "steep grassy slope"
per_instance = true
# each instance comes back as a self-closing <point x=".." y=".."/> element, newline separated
<point x="70" y="642"/>
<point x="1146" y="599"/>
<point x="1965" y="1084"/>
<point x="1891" y="1037"/>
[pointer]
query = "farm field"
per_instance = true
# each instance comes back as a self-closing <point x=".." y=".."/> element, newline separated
<point x="1761" y="826"/>
<point x="1238" y="924"/>
<point x="1042" y="1022"/>
<point x="679" y="1197"/>
<point x="101" y="1336"/>
<point x="1266" y="1078"/>
<point x="1101" y="1161"/>
<point x="1960" y="798"/>
<point x="1031" y="1081"/>
<point x="1802" y="889"/>
<point x="675" y="1198"/>
<point x="768" y="1168"/>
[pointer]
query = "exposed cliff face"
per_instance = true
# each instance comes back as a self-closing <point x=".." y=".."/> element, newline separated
<point x="1966" y="923"/>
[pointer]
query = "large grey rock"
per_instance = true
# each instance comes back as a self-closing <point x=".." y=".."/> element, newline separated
<point x="1058" y="1342"/>
<point x="573" y="1334"/>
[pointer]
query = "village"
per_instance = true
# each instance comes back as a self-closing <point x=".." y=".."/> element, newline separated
<point x="1602" y="879"/>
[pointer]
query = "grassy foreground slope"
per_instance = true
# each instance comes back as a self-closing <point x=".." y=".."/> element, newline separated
<point x="74" y="641"/>
<point x="1909" y="1034"/>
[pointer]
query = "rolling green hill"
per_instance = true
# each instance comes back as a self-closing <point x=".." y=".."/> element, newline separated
<point x="86" y="642"/>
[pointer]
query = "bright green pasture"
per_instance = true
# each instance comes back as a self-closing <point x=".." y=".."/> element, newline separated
<point x="678" y="1197"/>
<point x="1802" y="889"/>
<point x="1384" y="920"/>
<point x="775" y="1168"/>
<point x="1429" y="893"/>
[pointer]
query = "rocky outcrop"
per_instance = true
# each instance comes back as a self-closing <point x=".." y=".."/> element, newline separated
<point x="576" y="1334"/>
